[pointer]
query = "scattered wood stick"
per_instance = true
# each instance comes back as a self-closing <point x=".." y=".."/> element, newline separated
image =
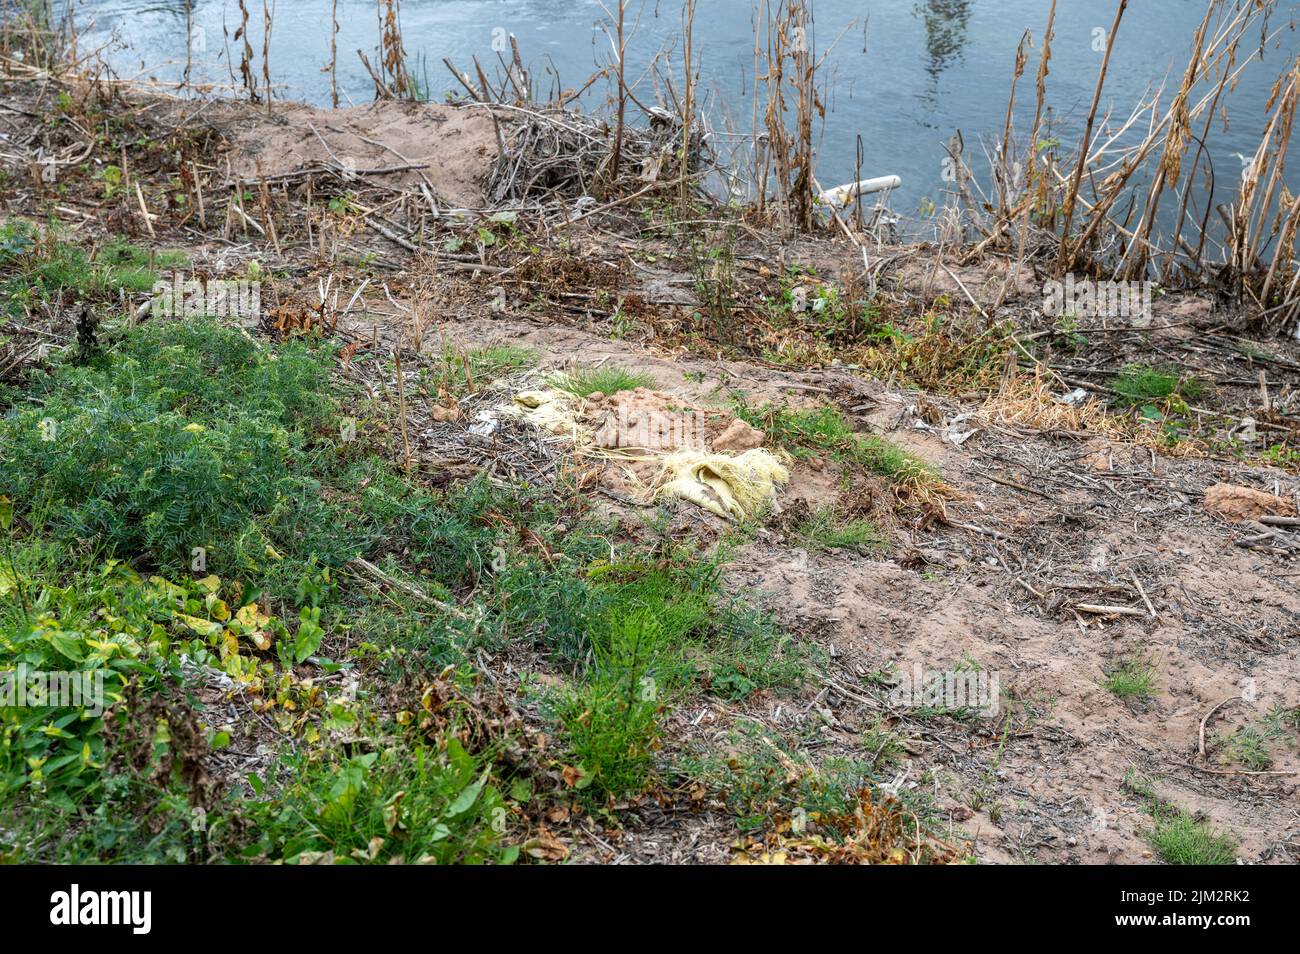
<point x="1210" y="771"/>
<point x="1200" y="744"/>
<point x="1015" y="485"/>
<point x="1100" y="609"/>
<point x="972" y="528"/>
<point x="391" y="235"/>
<point x="1265" y="534"/>
<point x="1280" y="521"/>
<point x="144" y="209"/>
<point x="1143" y="593"/>
<point x="799" y="386"/>
<point x="1041" y="596"/>
<point x="408" y="588"/>
<point x="319" y="168"/>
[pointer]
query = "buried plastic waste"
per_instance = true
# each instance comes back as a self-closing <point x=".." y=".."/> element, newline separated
<point x="731" y="487"/>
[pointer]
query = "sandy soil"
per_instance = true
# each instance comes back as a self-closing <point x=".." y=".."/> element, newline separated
<point x="447" y="149"/>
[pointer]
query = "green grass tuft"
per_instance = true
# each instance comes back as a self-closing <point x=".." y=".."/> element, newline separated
<point x="410" y="804"/>
<point x="1138" y="383"/>
<point x="824" y="430"/>
<point x="42" y="265"/>
<point x="1180" y="839"/>
<point x="1132" y="679"/>
<point x="1249" y="745"/>
<point x="585" y="382"/>
<point x="824" y="530"/>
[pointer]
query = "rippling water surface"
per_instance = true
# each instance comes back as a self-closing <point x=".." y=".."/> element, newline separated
<point x="905" y="73"/>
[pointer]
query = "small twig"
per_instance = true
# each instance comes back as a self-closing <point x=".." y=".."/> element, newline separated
<point x="1200" y="743"/>
<point x="144" y="209"/>
<point x="391" y="235"/>
<point x="1143" y="594"/>
<point x="1210" y="771"/>
<point x="971" y="528"/>
<point x="1101" y="609"/>
<point x="408" y="588"/>
<point x="1280" y="521"/>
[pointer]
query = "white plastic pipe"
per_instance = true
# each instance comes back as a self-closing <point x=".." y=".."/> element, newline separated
<point x="842" y="195"/>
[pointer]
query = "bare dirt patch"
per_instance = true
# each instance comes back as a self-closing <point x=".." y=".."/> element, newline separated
<point x="452" y="148"/>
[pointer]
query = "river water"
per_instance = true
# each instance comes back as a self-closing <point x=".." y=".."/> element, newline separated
<point x="902" y="74"/>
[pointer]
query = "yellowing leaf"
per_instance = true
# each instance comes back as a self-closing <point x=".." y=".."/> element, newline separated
<point x="217" y="609"/>
<point x="250" y="617"/>
<point x="167" y="587"/>
<point x="204" y="627"/>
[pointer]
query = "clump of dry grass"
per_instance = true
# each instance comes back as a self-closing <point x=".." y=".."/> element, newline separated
<point x="877" y="830"/>
<point x="1028" y="401"/>
<point x="940" y="358"/>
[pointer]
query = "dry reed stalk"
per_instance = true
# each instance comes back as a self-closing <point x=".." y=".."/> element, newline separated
<point x="620" y="54"/>
<point x="1250" y="233"/>
<point x="1040" y="89"/>
<point x="1036" y="190"/>
<point x="1180" y="218"/>
<point x="1217" y="55"/>
<point x="688" y="101"/>
<point x="1286" y="250"/>
<point x="1072" y="193"/>
<point x="1006" y="175"/>
<point x="264" y="202"/>
<point x="789" y="74"/>
<point x="1176" y="142"/>
<point x="246" y="55"/>
<point x="268" y="18"/>
<point x="189" y="42"/>
<point x="392" y="52"/>
<point x="334" y="54"/>
<point x="759" y="20"/>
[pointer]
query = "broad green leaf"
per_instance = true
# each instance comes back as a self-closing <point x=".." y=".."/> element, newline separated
<point x="468" y="796"/>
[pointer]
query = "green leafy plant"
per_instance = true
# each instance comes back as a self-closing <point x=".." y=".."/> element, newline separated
<point x="188" y="439"/>
<point x="67" y="661"/>
<point x="611" y="721"/>
<point x="412" y="804"/>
